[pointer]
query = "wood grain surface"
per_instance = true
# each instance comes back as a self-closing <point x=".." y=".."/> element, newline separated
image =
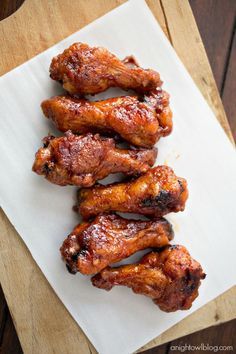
<point x="216" y="20"/>
<point x="42" y="322"/>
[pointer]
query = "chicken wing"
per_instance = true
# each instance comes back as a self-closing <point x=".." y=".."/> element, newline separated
<point x="87" y="70"/>
<point x="82" y="160"/>
<point x="171" y="277"/>
<point x="139" y="121"/>
<point x="110" y="238"/>
<point x="156" y="193"/>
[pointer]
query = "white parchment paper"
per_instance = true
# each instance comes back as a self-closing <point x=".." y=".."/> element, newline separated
<point x="119" y="321"/>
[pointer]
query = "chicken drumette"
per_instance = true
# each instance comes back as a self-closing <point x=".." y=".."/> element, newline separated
<point x="109" y="238"/>
<point x="156" y="193"/>
<point x="171" y="277"/>
<point x="87" y="70"/>
<point x="140" y="121"/>
<point x="82" y="160"/>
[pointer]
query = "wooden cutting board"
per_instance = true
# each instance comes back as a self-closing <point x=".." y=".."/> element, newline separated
<point x="41" y="320"/>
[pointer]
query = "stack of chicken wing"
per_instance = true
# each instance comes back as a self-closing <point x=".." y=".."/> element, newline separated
<point x="89" y="151"/>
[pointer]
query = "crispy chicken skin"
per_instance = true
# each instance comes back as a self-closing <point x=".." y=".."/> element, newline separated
<point x="156" y="193"/>
<point x="82" y="160"/>
<point x="84" y="70"/>
<point x="171" y="277"/>
<point x="139" y="121"/>
<point x="110" y="238"/>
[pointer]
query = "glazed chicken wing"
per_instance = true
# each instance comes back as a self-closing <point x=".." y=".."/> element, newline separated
<point x="110" y="238"/>
<point x="82" y="160"/>
<point x="171" y="277"/>
<point x="87" y="70"/>
<point x="156" y="193"/>
<point x="140" y="122"/>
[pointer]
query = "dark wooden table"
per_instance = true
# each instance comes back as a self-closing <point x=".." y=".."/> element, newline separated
<point x="216" y="22"/>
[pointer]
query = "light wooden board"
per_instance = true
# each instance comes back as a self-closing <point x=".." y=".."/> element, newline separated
<point x="42" y="322"/>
